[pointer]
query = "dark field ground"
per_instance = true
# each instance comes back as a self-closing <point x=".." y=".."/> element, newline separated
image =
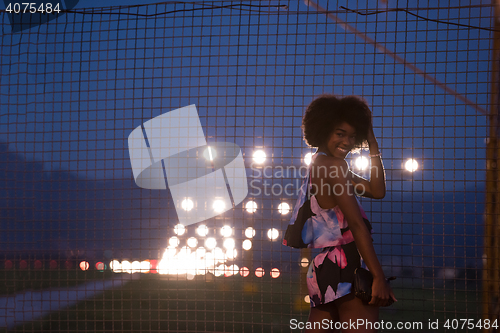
<point x="156" y="303"/>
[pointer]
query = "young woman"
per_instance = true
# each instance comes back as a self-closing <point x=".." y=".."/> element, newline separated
<point x="336" y="126"/>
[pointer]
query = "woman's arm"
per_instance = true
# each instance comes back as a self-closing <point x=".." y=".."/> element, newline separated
<point x="375" y="187"/>
<point x="345" y="198"/>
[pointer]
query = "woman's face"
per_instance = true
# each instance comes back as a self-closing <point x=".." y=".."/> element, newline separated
<point x="341" y="141"/>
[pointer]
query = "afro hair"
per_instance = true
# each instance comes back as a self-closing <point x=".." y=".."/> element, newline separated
<point x="327" y="111"/>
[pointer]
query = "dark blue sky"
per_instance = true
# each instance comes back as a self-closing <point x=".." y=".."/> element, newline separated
<point x="72" y="90"/>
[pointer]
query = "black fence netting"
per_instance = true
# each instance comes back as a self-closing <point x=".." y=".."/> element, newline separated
<point x="151" y="156"/>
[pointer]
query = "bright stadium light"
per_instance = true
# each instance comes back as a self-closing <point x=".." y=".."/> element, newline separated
<point x="229" y="243"/>
<point x="275" y="273"/>
<point x="284" y="208"/>
<point x="219" y="206"/>
<point x="361" y="163"/>
<point x="209" y="153"/>
<point x="251" y="206"/>
<point x="173" y="241"/>
<point x="273" y="233"/>
<point x="179" y="229"/>
<point x="187" y="204"/>
<point x="226" y="231"/>
<point x="210" y="243"/>
<point x="202" y="230"/>
<point x="259" y="272"/>
<point x="231" y="253"/>
<point x="308" y="158"/>
<point x="247" y="244"/>
<point x="259" y="156"/>
<point x="411" y="165"/>
<point x="244" y="271"/>
<point x="192" y="242"/>
<point x="249" y="232"/>
<point x="304" y="262"/>
<point x="84" y="265"/>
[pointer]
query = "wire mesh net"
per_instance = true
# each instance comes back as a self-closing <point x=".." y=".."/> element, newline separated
<point x="85" y="248"/>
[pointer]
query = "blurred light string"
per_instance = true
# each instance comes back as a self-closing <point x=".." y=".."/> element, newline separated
<point x="396" y="57"/>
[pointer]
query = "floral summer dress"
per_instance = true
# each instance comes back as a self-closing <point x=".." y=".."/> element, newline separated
<point x="331" y="272"/>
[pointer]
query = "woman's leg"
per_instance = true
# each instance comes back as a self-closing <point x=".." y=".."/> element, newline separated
<point x="351" y="308"/>
<point x="325" y="311"/>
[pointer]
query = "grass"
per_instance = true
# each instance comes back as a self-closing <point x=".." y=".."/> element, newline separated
<point x="232" y="304"/>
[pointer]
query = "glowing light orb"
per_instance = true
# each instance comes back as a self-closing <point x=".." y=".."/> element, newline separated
<point x="273" y="233"/>
<point x="226" y="231"/>
<point x="219" y="206"/>
<point x="361" y="163"/>
<point x="84" y="265"/>
<point x="411" y="165"/>
<point x="100" y="266"/>
<point x="229" y="243"/>
<point x="202" y="230"/>
<point x="192" y="242"/>
<point x="179" y="229"/>
<point x="259" y="272"/>
<point x="283" y="208"/>
<point x="209" y="154"/>
<point x="244" y="271"/>
<point x="220" y="270"/>
<point x="231" y="253"/>
<point x="259" y="156"/>
<point x="308" y="158"/>
<point x="187" y="204"/>
<point x="247" y="244"/>
<point x="210" y="243"/>
<point x="249" y="232"/>
<point x="304" y="262"/>
<point x="173" y="241"/>
<point x="307" y="299"/>
<point x="251" y="206"/>
<point x="275" y="273"/>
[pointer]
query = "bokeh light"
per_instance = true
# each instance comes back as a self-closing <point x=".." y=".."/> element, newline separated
<point x="249" y="232"/>
<point x="226" y="231"/>
<point x="275" y="273"/>
<point x="173" y="241"/>
<point x="259" y="272"/>
<point x="361" y="163"/>
<point x="411" y="165"/>
<point x="273" y="233"/>
<point x="84" y="265"/>
<point x="308" y="158"/>
<point x="229" y="243"/>
<point x="179" y="229"/>
<point x="219" y="206"/>
<point x="304" y="262"/>
<point x="244" y="271"/>
<point x="202" y="230"/>
<point x="192" y="242"/>
<point x="284" y="208"/>
<point x="210" y="243"/>
<point x="259" y="156"/>
<point x="251" y="206"/>
<point x="187" y="204"/>
<point x="210" y="154"/>
<point x="247" y="244"/>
